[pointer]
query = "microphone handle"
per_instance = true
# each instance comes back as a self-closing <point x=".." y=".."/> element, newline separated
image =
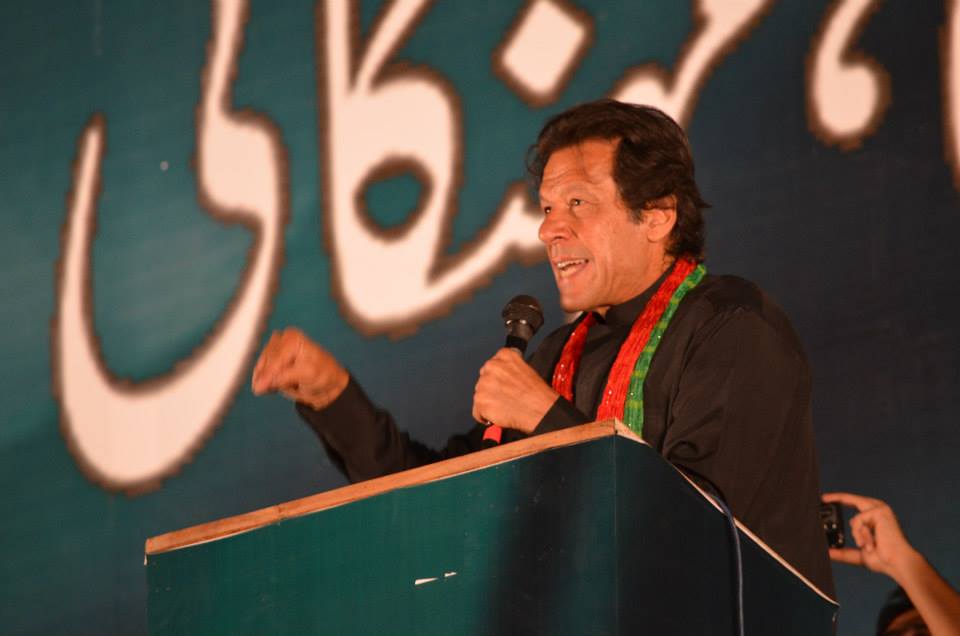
<point x="516" y="342"/>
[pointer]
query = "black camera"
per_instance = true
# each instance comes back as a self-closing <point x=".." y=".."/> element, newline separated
<point x="831" y="515"/>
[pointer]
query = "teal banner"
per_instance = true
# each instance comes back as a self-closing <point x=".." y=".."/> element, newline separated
<point x="179" y="179"/>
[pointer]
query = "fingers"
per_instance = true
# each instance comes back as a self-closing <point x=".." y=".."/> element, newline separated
<point x="877" y="534"/>
<point x="486" y="386"/>
<point x="508" y="354"/>
<point x="871" y="512"/>
<point x="851" y="556"/>
<point x="485" y="408"/>
<point x="862" y="533"/>
<point x="279" y="353"/>
<point x="510" y="393"/>
<point x="859" y="502"/>
<point x="288" y="379"/>
<point x="502" y="361"/>
<point x="476" y="411"/>
<point x="301" y="383"/>
<point x="872" y="517"/>
<point x="262" y="358"/>
<point x="495" y="374"/>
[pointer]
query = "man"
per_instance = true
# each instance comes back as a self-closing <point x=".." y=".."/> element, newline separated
<point x="707" y="369"/>
<point x="924" y="603"/>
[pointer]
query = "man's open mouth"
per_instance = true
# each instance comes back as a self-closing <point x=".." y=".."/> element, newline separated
<point x="570" y="266"/>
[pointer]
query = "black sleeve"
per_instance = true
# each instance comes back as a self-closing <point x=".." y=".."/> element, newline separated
<point x="563" y="414"/>
<point x="364" y="441"/>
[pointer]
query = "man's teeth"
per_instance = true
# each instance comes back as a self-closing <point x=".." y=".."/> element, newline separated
<point x="563" y="265"/>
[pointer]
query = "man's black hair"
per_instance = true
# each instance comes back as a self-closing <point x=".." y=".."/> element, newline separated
<point x="653" y="160"/>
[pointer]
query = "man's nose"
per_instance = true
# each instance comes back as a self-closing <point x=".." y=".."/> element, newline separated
<point x="552" y="228"/>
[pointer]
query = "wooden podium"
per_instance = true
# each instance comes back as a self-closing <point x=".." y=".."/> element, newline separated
<point x="581" y="531"/>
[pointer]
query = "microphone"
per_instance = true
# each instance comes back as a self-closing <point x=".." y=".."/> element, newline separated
<point x="522" y="316"/>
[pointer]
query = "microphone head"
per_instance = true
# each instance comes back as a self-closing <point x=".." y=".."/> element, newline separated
<point x="522" y="316"/>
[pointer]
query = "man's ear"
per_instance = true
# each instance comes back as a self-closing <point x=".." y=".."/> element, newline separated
<point x="660" y="215"/>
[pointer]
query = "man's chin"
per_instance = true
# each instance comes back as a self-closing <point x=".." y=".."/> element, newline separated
<point x="572" y="306"/>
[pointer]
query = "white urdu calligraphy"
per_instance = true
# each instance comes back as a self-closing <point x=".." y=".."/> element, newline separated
<point x="130" y="436"/>
<point x="376" y="118"/>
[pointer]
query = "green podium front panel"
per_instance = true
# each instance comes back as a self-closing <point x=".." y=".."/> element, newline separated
<point x="497" y="541"/>
<point x="676" y="562"/>
<point x="602" y="537"/>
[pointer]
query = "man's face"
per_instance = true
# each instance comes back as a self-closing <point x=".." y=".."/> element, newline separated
<point x="600" y="256"/>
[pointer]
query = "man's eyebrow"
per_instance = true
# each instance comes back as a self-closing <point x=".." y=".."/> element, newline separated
<point x="580" y="187"/>
<point x="558" y="195"/>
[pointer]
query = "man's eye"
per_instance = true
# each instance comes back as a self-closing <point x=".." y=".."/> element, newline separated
<point x="547" y="210"/>
<point x="575" y="202"/>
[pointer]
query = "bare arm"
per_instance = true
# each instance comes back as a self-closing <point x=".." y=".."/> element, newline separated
<point x="882" y="547"/>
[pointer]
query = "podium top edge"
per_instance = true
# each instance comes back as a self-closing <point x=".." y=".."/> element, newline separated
<point x="470" y="462"/>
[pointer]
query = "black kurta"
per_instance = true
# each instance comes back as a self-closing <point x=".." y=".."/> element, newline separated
<point x="726" y="399"/>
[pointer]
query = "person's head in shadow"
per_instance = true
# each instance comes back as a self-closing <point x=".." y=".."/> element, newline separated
<point x="898" y="617"/>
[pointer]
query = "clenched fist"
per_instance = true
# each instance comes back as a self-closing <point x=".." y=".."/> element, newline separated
<point x="300" y="369"/>
<point x="510" y="394"/>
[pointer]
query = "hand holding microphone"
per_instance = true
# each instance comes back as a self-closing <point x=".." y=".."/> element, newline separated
<point x="509" y="392"/>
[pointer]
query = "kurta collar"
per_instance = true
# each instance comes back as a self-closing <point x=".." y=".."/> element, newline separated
<point x="625" y="314"/>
